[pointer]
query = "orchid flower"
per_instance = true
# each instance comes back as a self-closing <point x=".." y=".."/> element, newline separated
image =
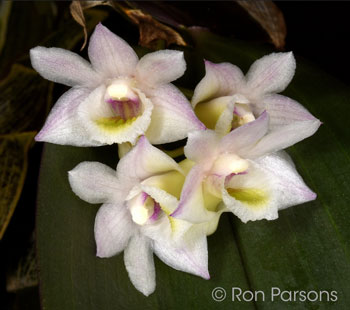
<point x="225" y="98"/>
<point x="244" y="169"/>
<point x="135" y="215"/>
<point x="117" y="97"/>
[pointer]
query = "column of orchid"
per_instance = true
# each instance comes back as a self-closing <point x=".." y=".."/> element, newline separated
<point x="236" y="128"/>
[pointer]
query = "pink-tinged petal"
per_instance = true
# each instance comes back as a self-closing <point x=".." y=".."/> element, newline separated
<point x="97" y="117"/>
<point x="111" y="55"/>
<point x="220" y="80"/>
<point x="143" y="161"/>
<point x="160" y="67"/>
<point x="189" y="255"/>
<point x="283" y="137"/>
<point x="94" y="182"/>
<point x="270" y="74"/>
<point x="284" y="111"/>
<point x="243" y="137"/>
<point x="287" y="182"/>
<point x="64" y="67"/>
<point x="202" y="146"/>
<point x="138" y="259"/>
<point x="113" y="229"/>
<point x="170" y="108"/>
<point x="62" y="125"/>
<point x="191" y="206"/>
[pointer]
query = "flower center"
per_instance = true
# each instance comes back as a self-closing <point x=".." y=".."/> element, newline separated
<point x="242" y="114"/>
<point x="224" y="168"/>
<point x="227" y="164"/>
<point x="123" y="101"/>
<point x="143" y="208"/>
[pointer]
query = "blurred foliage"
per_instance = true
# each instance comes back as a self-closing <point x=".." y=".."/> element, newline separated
<point x="269" y="17"/>
<point x="13" y="166"/>
<point x="5" y="9"/>
<point x="25" y="101"/>
<point x="25" y="96"/>
<point x="25" y="274"/>
<point x="151" y="30"/>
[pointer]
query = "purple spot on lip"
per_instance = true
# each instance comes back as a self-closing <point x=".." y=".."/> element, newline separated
<point x="144" y="197"/>
<point x="125" y="109"/>
<point x="156" y="211"/>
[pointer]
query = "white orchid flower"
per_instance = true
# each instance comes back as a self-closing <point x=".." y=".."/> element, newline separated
<point x="135" y="216"/>
<point x="117" y="97"/>
<point x="243" y="170"/>
<point x="225" y="98"/>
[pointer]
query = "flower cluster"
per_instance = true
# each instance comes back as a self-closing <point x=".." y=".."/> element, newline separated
<point x="236" y="130"/>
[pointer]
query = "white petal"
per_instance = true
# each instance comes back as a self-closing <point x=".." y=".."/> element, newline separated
<point x="270" y="74"/>
<point x="95" y="108"/>
<point x="113" y="229"/>
<point x="202" y="146"/>
<point x="190" y="255"/>
<point x="111" y="55"/>
<point x="64" y="67"/>
<point x="171" y="108"/>
<point x="138" y="259"/>
<point x="283" y="137"/>
<point x="290" y="123"/>
<point x="222" y="79"/>
<point x="287" y="182"/>
<point x="62" y="125"/>
<point x="191" y="207"/>
<point x="253" y="195"/>
<point x="143" y="161"/>
<point x="160" y="67"/>
<point x="243" y="137"/>
<point x="94" y="182"/>
<point x="284" y="111"/>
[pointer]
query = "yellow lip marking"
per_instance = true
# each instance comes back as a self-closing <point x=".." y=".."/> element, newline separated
<point x="252" y="197"/>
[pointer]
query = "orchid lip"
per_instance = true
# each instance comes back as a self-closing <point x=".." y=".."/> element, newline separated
<point x="125" y="109"/>
<point x="143" y="208"/>
<point x="123" y="102"/>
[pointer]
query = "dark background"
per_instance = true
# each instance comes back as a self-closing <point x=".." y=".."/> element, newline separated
<point x="316" y="31"/>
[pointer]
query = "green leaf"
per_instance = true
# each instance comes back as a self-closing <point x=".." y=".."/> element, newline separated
<point x="13" y="167"/>
<point x="25" y="274"/>
<point x="307" y="248"/>
<point x="22" y="32"/>
<point x="5" y="9"/>
<point x="25" y="100"/>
